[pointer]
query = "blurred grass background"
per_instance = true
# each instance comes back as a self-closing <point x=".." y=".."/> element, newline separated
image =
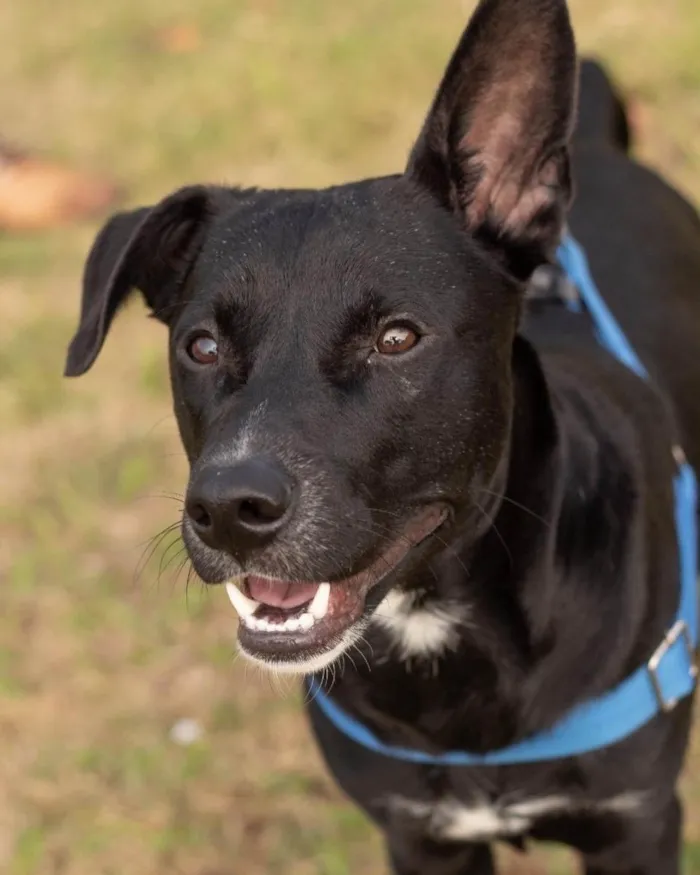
<point x="103" y="654"/>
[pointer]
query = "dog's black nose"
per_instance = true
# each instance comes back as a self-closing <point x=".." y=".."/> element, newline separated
<point x="240" y="507"/>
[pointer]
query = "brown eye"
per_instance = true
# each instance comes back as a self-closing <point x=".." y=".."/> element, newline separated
<point x="203" y="350"/>
<point x="397" y="339"/>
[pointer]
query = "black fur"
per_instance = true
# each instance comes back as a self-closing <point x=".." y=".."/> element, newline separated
<point x="554" y="460"/>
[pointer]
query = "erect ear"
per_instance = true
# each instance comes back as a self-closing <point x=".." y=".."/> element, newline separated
<point x="494" y="147"/>
<point x="152" y="249"/>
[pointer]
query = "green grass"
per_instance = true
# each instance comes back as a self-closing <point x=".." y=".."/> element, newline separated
<point x="102" y="652"/>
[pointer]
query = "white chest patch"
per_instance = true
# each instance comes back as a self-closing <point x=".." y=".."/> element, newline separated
<point x="452" y="820"/>
<point x="422" y="630"/>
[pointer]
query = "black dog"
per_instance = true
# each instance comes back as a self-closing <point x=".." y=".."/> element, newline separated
<point x="399" y="460"/>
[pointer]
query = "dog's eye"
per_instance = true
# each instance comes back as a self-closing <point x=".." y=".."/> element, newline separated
<point x="397" y="339"/>
<point x="203" y="350"/>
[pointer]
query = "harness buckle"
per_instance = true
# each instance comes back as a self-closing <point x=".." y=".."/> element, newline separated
<point x="678" y="631"/>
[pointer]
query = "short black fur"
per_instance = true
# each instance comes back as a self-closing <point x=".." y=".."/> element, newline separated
<point x="558" y="562"/>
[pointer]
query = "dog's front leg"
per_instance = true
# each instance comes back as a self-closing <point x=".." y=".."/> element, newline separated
<point x="653" y="847"/>
<point x="410" y="855"/>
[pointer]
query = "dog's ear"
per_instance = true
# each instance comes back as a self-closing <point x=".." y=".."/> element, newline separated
<point x="151" y="249"/>
<point x="494" y="147"/>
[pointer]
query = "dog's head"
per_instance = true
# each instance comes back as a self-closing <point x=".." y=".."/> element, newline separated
<point x="341" y="360"/>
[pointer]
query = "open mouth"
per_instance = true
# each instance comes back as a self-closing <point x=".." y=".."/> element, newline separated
<point x="304" y="624"/>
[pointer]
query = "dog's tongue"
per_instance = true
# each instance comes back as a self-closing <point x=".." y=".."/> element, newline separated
<point x="279" y="593"/>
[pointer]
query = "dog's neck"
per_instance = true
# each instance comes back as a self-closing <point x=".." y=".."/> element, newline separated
<point x="558" y="579"/>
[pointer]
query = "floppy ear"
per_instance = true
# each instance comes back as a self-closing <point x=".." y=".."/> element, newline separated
<point x="494" y="147"/>
<point x="152" y="249"/>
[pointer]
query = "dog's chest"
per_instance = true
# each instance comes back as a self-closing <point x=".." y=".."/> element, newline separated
<point x="450" y="819"/>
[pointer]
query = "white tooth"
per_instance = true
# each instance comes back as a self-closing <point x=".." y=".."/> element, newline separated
<point x="291" y="625"/>
<point x="246" y="607"/>
<point x="306" y="621"/>
<point x="319" y="606"/>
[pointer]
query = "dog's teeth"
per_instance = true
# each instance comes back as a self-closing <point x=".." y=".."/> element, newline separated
<point x="292" y="624"/>
<point x="319" y="606"/>
<point x="306" y="621"/>
<point x="244" y="606"/>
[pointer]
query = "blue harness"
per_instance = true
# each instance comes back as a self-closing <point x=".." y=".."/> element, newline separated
<point x="658" y="686"/>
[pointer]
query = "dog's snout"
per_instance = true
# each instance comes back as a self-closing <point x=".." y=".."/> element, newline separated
<point x="241" y="507"/>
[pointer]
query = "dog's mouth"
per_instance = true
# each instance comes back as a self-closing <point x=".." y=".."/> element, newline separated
<point x="303" y="626"/>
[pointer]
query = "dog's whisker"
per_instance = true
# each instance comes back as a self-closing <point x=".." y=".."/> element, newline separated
<point x="158" y="423"/>
<point x="167" y="557"/>
<point x="152" y="545"/>
<point x="356" y="647"/>
<point x="185" y="564"/>
<point x="160" y="534"/>
<point x="160" y="496"/>
<point x="383" y="531"/>
<point x="174" y="496"/>
<point x="496" y="531"/>
<point x="503" y="497"/>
